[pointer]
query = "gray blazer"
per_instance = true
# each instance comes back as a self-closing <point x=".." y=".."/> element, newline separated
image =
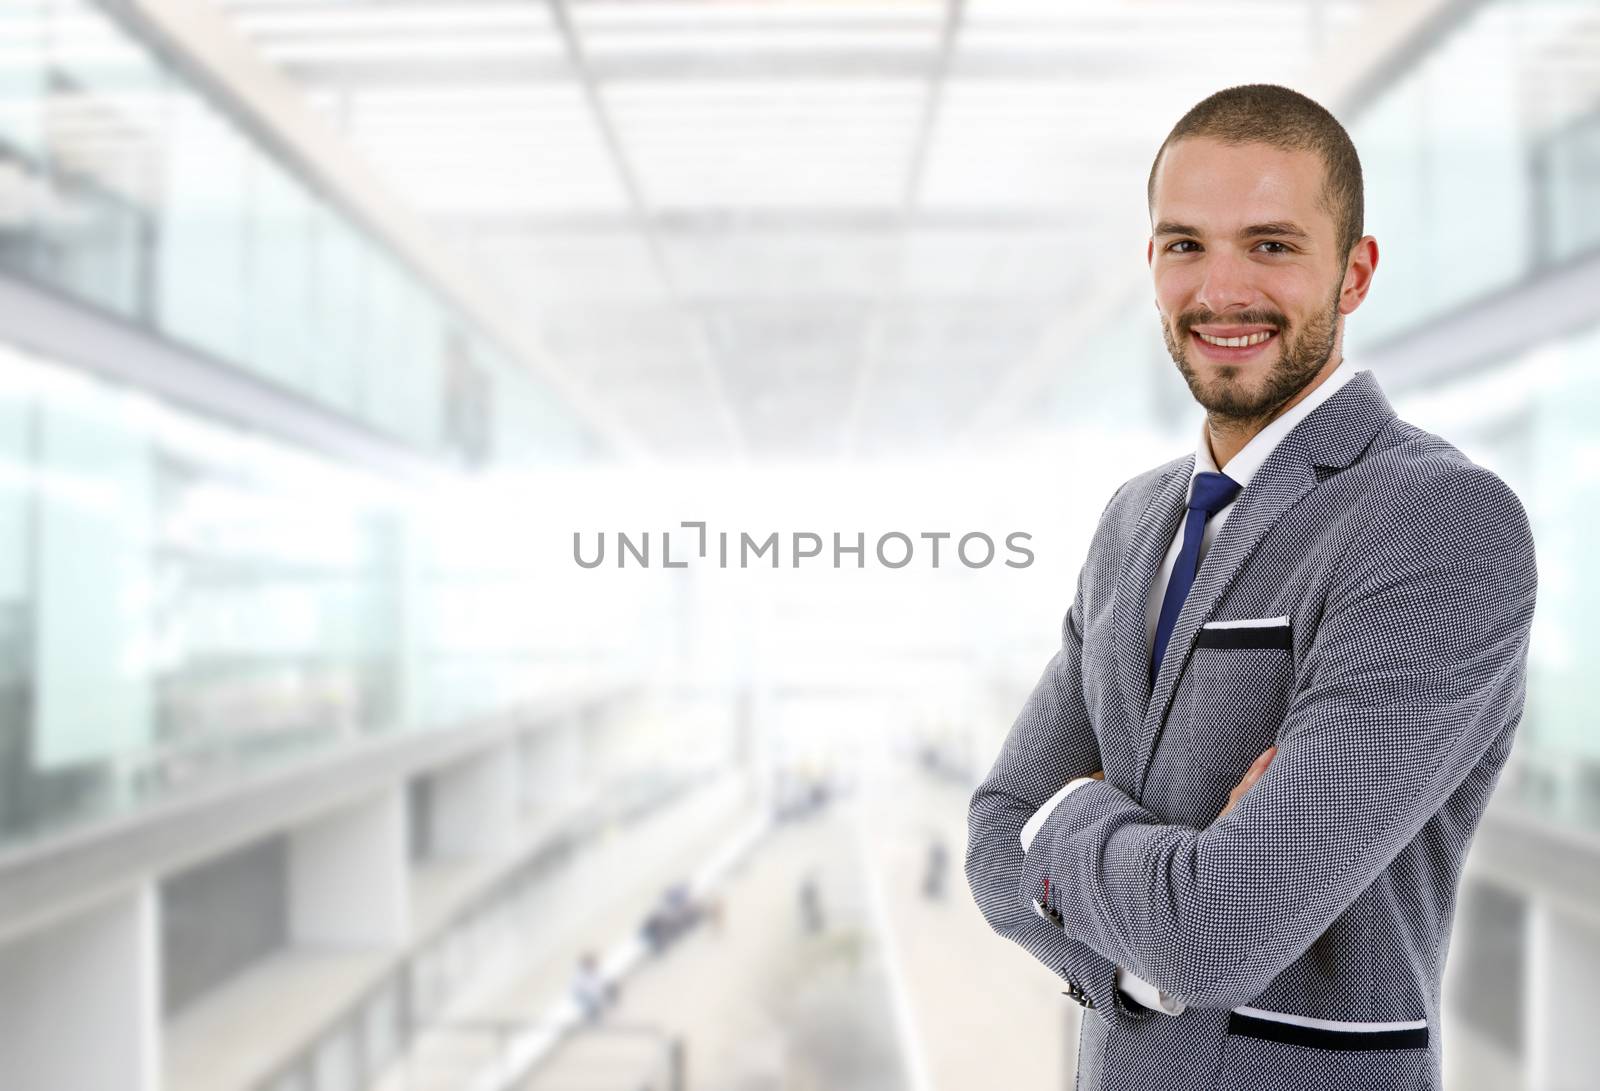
<point x="1306" y="932"/>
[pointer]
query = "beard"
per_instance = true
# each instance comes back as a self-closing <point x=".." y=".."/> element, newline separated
<point x="1302" y="354"/>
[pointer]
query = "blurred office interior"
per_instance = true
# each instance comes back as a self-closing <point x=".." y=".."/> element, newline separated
<point x="327" y="329"/>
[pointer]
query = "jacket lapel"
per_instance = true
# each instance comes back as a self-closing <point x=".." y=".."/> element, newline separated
<point x="1332" y="437"/>
<point x="1147" y="544"/>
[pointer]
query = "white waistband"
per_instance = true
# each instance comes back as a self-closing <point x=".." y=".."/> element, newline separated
<point x="1330" y="1024"/>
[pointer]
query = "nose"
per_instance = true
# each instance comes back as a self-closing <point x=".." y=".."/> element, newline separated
<point x="1225" y="284"/>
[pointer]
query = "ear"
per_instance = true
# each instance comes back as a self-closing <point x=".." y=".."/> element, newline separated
<point x="1150" y="251"/>
<point x="1358" y="271"/>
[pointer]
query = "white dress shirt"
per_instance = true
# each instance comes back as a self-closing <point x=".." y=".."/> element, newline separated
<point x="1241" y="468"/>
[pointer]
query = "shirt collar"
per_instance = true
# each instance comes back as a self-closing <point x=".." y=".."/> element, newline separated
<point x="1243" y="466"/>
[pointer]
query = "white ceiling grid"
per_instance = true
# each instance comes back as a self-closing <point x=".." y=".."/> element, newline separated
<point x="793" y="228"/>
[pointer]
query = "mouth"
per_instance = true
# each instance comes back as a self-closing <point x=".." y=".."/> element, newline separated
<point x="1232" y="344"/>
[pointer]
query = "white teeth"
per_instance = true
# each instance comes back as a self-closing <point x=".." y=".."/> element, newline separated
<point x="1234" y="342"/>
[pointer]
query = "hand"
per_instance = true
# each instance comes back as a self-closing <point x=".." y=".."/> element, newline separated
<point x="1098" y="774"/>
<point x="1251" y="775"/>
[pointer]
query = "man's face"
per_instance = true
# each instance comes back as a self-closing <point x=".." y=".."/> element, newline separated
<point x="1242" y="248"/>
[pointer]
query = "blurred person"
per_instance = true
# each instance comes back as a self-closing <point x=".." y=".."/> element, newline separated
<point x="1232" y="813"/>
<point x="811" y="915"/>
<point x="590" y="989"/>
<point x="934" y="867"/>
<point x="674" y="913"/>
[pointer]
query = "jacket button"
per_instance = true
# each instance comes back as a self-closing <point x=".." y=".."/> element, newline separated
<point x="1075" y="991"/>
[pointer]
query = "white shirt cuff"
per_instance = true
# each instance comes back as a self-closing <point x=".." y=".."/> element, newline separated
<point x="1032" y="826"/>
<point x="1147" y="994"/>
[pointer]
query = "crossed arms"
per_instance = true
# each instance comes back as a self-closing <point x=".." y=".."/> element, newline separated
<point x="1416" y="672"/>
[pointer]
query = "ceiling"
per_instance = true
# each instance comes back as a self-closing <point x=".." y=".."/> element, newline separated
<point x="790" y="229"/>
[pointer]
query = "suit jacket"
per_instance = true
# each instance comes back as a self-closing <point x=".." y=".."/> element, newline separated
<point x="1391" y="581"/>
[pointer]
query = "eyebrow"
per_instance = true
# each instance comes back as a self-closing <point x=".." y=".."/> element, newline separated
<point x="1277" y="228"/>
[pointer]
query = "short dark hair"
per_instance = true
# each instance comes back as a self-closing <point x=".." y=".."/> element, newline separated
<point x="1264" y="113"/>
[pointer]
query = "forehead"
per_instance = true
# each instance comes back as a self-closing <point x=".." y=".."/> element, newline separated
<point x="1221" y="187"/>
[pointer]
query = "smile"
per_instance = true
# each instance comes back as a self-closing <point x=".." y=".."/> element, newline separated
<point x="1235" y="342"/>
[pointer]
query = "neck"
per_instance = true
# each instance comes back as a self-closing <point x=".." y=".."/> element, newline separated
<point x="1228" y="435"/>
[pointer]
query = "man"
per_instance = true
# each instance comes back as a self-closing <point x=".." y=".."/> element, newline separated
<point x="1232" y="814"/>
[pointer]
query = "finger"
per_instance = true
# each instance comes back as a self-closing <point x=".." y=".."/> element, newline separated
<point x="1257" y="767"/>
<point x="1098" y="774"/>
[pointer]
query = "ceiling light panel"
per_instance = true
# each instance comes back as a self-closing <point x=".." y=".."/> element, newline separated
<point x="429" y="47"/>
<point x="788" y="39"/>
<point x="615" y="14"/>
<point x="1045" y="13"/>
<point x="388" y="19"/>
<point x="550" y="276"/>
<point x="471" y="184"/>
<point x="760" y="177"/>
<point x="779" y="266"/>
<point x="753" y="144"/>
<point x="1001" y="267"/>
<point x="489" y="112"/>
<point x="484" y="149"/>
<point x="1020" y="144"/>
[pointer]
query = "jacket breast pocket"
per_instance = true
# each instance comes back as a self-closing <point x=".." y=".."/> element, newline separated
<point x="1239" y="694"/>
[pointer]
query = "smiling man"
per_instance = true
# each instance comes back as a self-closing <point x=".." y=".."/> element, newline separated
<point x="1232" y="814"/>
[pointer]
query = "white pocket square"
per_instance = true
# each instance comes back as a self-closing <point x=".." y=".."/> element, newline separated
<point x="1249" y="623"/>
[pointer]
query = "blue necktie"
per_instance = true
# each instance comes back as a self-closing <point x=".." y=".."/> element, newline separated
<point x="1211" y="493"/>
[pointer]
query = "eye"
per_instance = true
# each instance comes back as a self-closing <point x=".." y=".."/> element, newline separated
<point x="1172" y="247"/>
<point x="1283" y="248"/>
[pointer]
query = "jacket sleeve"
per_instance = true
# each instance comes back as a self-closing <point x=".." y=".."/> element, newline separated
<point x="1051" y="742"/>
<point x="1416" y="671"/>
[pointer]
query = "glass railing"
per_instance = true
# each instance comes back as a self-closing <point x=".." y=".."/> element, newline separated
<point x="1566" y="164"/>
<point x="125" y="187"/>
<point x="183" y="601"/>
<point x="1531" y="420"/>
<point x="1479" y="163"/>
<point x="368" y="1045"/>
